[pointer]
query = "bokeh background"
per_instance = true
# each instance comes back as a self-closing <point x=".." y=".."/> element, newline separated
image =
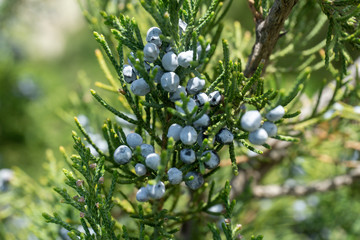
<point x="48" y="65"/>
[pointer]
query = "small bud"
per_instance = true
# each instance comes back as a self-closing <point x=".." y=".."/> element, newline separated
<point x="82" y="215"/>
<point x="79" y="183"/>
<point x="101" y="180"/>
<point x="227" y="220"/>
<point x="97" y="205"/>
<point x="92" y="165"/>
<point x="81" y="199"/>
<point x="76" y="197"/>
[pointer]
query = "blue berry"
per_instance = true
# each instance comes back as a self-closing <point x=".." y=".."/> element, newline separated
<point x="201" y="99"/>
<point x="153" y="36"/>
<point x="153" y="161"/>
<point x="170" y="81"/>
<point x="174" y="131"/>
<point x="134" y="139"/>
<point x="175" y="96"/>
<point x="140" y="169"/>
<point x="203" y="121"/>
<point x="142" y="195"/>
<point x="170" y="61"/>
<point x="182" y="26"/>
<point x="187" y="156"/>
<point x="195" y="85"/>
<point x="270" y="128"/>
<point x="190" y="106"/>
<point x="258" y="137"/>
<point x="251" y="120"/>
<point x="214" y="160"/>
<point x="156" y="191"/>
<point x="129" y="73"/>
<point x="185" y="58"/>
<point x="140" y="87"/>
<point x="196" y="182"/>
<point x="188" y="135"/>
<point x="151" y="52"/>
<point x="215" y="98"/>
<point x="122" y="154"/>
<point x="199" y="49"/>
<point x="146" y="149"/>
<point x="175" y="176"/>
<point x="275" y="114"/>
<point x="224" y="136"/>
<point x="159" y="73"/>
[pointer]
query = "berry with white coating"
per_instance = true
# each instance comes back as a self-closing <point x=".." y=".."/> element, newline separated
<point x="140" y="87"/>
<point x="224" y="136"/>
<point x="182" y="26"/>
<point x="196" y="182"/>
<point x="129" y="73"/>
<point x="190" y="106"/>
<point x="270" y="128"/>
<point x="122" y="154"/>
<point x="140" y="169"/>
<point x="134" y="140"/>
<point x="175" y="96"/>
<point x="170" y="61"/>
<point x="201" y="99"/>
<point x="159" y="73"/>
<point x="151" y="52"/>
<point x="251" y="120"/>
<point x="214" y="160"/>
<point x="214" y="98"/>
<point x="153" y="161"/>
<point x="174" y="131"/>
<point x="203" y="121"/>
<point x="142" y="195"/>
<point x="199" y="49"/>
<point x="185" y="58"/>
<point x="188" y="135"/>
<point x="153" y="36"/>
<point x="175" y="176"/>
<point x="258" y="137"/>
<point x="156" y="191"/>
<point x="275" y="114"/>
<point x="146" y="149"/>
<point x="187" y="156"/>
<point x="170" y="81"/>
<point x="195" y="85"/>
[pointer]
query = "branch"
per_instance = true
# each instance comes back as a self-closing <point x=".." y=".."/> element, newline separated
<point x="272" y="191"/>
<point x="267" y="33"/>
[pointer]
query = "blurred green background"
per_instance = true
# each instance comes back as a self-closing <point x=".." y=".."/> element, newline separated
<point x="48" y="65"/>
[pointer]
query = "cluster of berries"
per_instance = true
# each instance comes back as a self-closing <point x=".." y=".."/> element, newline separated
<point x="251" y="122"/>
<point x="191" y="132"/>
<point x="123" y="155"/>
<point x="190" y="100"/>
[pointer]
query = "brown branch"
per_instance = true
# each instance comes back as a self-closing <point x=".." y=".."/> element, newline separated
<point x="272" y="191"/>
<point x="258" y="17"/>
<point x="267" y="33"/>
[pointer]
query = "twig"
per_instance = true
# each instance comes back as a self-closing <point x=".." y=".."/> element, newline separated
<point x="272" y="191"/>
<point x="267" y="33"/>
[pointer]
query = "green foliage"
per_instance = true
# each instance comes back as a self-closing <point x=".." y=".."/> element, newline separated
<point x="99" y="201"/>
